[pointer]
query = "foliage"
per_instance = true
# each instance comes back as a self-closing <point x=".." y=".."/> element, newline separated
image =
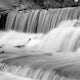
<point x="35" y="4"/>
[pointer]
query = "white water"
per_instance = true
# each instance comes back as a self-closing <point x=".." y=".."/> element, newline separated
<point x="74" y="42"/>
<point x="57" y="39"/>
<point x="63" y="38"/>
<point x="14" y="38"/>
<point x="9" y="76"/>
<point x="67" y="23"/>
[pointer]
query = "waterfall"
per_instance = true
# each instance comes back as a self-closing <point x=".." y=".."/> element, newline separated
<point x="9" y="76"/>
<point x="39" y="20"/>
<point x="57" y="52"/>
<point x="10" y="20"/>
<point x="58" y="39"/>
<point x="74" y="41"/>
<point x="56" y="66"/>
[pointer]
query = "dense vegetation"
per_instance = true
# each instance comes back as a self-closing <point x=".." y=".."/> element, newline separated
<point x="53" y="3"/>
<point x="42" y="4"/>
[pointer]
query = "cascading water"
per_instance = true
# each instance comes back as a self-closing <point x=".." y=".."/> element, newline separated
<point x="58" y="37"/>
<point x="74" y="41"/>
<point x="50" y="67"/>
